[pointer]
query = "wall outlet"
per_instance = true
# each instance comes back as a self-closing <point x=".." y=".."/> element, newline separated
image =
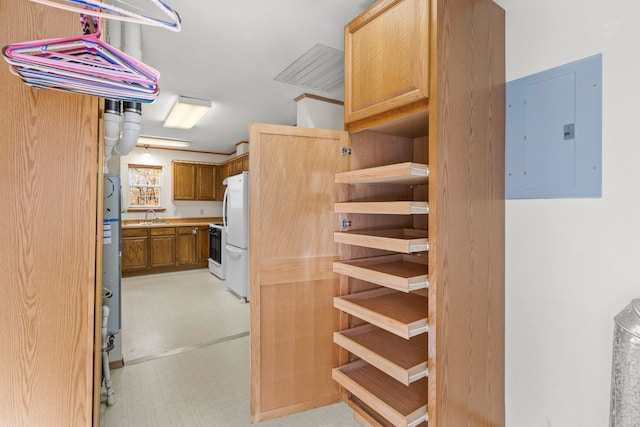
<point x="201" y="211"/>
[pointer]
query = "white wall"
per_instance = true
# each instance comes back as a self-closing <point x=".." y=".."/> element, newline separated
<point x="314" y="113"/>
<point x="174" y="209"/>
<point x="572" y="264"/>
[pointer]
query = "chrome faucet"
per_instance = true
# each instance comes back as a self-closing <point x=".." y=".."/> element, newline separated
<point x="146" y="215"/>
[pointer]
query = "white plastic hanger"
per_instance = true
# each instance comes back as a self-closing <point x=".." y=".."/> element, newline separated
<point x="98" y="8"/>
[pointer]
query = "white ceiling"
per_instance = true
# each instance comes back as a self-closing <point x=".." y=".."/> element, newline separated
<point x="229" y="52"/>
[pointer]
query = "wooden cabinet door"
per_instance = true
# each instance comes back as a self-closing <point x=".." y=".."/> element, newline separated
<point x="162" y="247"/>
<point x="184" y="181"/>
<point x="387" y="64"/>
<point x="291" y="252"/>
<point x="202" y="244"/>
<point x="135" y="253"/>
<point x="205" y="182"/>
<point x="185" y="243"/>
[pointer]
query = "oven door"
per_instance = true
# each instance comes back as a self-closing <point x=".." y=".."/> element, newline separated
<point x="217" y="257"/>
<point x="215" y="244"/>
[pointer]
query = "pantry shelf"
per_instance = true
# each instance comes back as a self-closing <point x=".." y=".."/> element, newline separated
<point x="403" y="314"/>
<point x="400" y="173"/>
<point x="402" y="405"/>
<point x="402" y="359"/>
<point x="398" y="271"/>
<point x="384" y="208"/>
<point x="404" y="240"/>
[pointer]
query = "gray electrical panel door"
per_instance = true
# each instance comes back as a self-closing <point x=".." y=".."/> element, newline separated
<point x="554" y="133"/>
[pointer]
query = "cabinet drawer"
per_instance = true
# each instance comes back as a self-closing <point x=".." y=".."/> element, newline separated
<point x="134" y="232"/>
<point x="184" y="230"/>
<point x="163" y="231"/>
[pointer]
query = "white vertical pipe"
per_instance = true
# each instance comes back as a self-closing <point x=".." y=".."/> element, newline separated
<point x="133" y="40"/>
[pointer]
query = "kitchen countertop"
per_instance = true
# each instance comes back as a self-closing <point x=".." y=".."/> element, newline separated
<point x="171" y="222"/>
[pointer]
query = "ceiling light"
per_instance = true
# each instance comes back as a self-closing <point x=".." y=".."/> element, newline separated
<point x="186" y="112"/>
<point x="162" y="142"/>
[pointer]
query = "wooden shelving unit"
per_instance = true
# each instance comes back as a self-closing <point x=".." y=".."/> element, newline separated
<point x="384" y="208"/>
<point x="406" y="173"/>
<point x="404" y="360"/>
<point x="397" y="312"/>
<point x="402" y="240"/>
<point x="402" y="405"/>
<point x="397" y="271"/>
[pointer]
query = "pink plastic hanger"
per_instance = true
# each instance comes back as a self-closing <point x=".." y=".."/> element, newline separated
<point x="85" y="65"/>
<point x="105" y="10"/>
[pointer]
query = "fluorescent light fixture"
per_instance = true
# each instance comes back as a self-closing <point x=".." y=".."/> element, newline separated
<point x="186" y="112"/>
<point x="162" y="142"/>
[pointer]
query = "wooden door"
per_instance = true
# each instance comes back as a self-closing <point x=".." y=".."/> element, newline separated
<point x="185" y="242"/>
<point x="291" y="252"/>
<point x="205" y="182"/>
<point x="387" y="64"/>
<point x="184" y="181"/>
<point x="135" y="249"/>
<point x="162" y="247"/>
<point x="202" y="244"/>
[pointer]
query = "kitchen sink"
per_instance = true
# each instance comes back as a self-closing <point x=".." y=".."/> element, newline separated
<point x="153" y="223"/>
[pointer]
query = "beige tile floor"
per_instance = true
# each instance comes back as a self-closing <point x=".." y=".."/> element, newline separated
<point x="186" y="350"/>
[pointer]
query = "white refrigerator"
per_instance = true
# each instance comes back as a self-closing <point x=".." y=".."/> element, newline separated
<point x="235" y="215"/>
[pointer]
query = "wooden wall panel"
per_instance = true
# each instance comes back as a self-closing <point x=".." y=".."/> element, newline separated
<point x="48" y="186"/>
<point x="466" y="227"/>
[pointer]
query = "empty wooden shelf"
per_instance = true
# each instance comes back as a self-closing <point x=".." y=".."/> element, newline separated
<point x="404" y="360"/>
<point x="385" y="208"/>
<point x="403" y="240"/>
<point x="400" y="173"/>
<point x="397" y="312"/>
<point x="398" y="271"/>
<point x="400" y="404"/>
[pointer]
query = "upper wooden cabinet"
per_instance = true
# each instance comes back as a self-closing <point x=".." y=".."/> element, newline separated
<point x="387" y="64"/>
<point x="194" y="181"/>
<point x="184" y="181"/>
<point x="205" y="182"/>
<point x="229" y="168"/>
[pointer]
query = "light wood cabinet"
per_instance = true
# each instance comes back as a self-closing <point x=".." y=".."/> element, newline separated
<point x="415" y="276"/>
<point x="387" y="65"/>
<point x="51" y="251"/>
<point x="194" y="181"/>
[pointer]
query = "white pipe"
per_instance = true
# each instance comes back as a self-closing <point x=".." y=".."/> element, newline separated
<point x="133" y="40"/>
<point x="114" y="31"/>
<point x="112" y="119"/>
<point x="105" y="358"/>
<point x="130" y="128"/>
<point x="122" y="144"/>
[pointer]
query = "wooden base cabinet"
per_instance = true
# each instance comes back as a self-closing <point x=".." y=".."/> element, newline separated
<point x="192" y="245"/>
<point x="405" y="243"/>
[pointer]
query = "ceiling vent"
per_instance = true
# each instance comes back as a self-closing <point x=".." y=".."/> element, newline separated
<point x="322" y="67"/>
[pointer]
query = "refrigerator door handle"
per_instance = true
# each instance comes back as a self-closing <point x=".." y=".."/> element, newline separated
<point x="234" y="249"/>
<point x="224" y="209"/>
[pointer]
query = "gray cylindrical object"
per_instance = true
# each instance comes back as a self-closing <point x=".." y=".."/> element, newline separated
<point x="625" y="372"/>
